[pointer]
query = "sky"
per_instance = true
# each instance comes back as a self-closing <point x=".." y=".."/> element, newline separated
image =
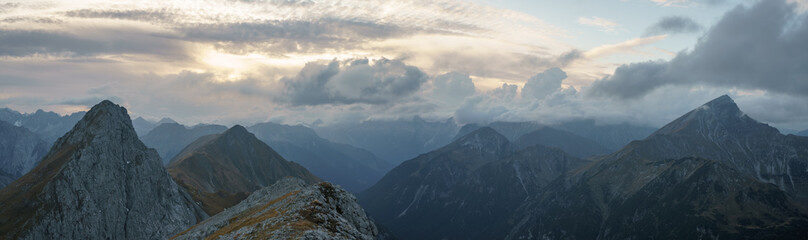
<point x="332" y="62"/>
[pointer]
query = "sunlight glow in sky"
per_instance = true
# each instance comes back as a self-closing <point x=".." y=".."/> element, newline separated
<point x="239" y="61"/>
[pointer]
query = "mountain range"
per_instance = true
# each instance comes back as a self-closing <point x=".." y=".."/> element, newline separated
<point x="526" y="134"/>
<point x="220" y="170"/>
<point x="143" y="126"/>
<point x="393" y="140"/>
<point x="457" y="191"/>
<point x="353" y="168"/>
<point x="170" y="138"/>
<point x="20" y="151"/>
<point x="48" y="125"/>
<point x="712" y="173"/>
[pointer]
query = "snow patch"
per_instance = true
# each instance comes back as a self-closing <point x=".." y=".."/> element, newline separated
<point x="17" y="123"/>
<point x="704" y="107"/>
<point x="418" y="193"/>
<point x="519" y="176"/>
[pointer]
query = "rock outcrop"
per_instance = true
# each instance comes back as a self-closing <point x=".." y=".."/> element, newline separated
<point x="289" y="209"/>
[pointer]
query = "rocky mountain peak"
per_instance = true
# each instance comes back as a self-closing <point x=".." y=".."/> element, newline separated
<point x="717" y="115"/>
<point x="237" y="131"/>
<point x="483" y="138"/>
<point x="105" y="120"/>
<point x="97" y="182"/>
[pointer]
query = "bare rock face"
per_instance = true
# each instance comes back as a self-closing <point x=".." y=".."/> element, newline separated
<point x="289" y="209"/>
<point x="97" y="182"/>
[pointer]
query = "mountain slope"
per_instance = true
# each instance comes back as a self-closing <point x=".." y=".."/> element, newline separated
<point x="574" y="145"/>
<point x="511" y="130"/>
<point x="143" y="126"/>
<point x="230" y="165"/>
<point x="611" y="136"/>
<point x="97" y="182"/>
<point x="170" y="138"/>
<point x="654" y="188"/>
<point x="289" y="209"/>
<point x="457" y="191"/>
<point x="526" y="134"/>
<point x="804" y="133"/>
<point x="20" y="151"/>
<point x="394" y="141"/>
<point x="353" y="168"/>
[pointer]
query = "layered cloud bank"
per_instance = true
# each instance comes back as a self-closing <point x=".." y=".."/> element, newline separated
<point x="347" y="61"/>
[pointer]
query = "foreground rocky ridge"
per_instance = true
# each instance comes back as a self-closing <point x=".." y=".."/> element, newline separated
<point x="289" y="209"/>
<point x="97" y="182"/>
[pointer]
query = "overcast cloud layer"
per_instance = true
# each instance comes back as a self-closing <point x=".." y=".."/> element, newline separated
<point x="347" y="61"/>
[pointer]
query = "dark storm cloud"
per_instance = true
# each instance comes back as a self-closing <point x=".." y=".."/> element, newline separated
<point x="673" y="25"/>
<point x="17" y="43"/>
<point x="762" y="47"/>
<point x="350" y="82"/>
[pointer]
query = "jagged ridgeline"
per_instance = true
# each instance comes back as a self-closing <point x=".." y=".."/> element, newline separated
<point x="98" y="181"/>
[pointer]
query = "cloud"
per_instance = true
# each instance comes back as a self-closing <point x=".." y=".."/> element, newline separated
<point x="544" y="84"/>
<point x="605" y="25"/>
<point x="19" y="43"/>
<point x="673" y="25"/>
<point x="352" y="81"/>
<point x="452" y="87"/>
<point x="761" y="47"/>
<point x="629" y="46"/>
<point x="686" y="3"/>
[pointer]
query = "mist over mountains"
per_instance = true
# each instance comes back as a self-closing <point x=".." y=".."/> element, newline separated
<point x="714" y="173"/>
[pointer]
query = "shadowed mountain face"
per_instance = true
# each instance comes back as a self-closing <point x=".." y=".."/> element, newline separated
<point x="170" y="138"/>
<point x="572" y="144"/>
<point x="20" y="151"/>
<point x="47" y="125"/>
<point x="655" y="188"/>
<point x="289" y="209"/>
<point x="511" y="130"/>
<point x="97" y="182"/>
<point x="457" y="191"/>
<point x="353" y="168"/>
<point x="394" y="141"/>
<point x="220" y="170"/>
<point x="143" y="126"/>
<point x="526" y="134"/>
<point x="611" y="136"/>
